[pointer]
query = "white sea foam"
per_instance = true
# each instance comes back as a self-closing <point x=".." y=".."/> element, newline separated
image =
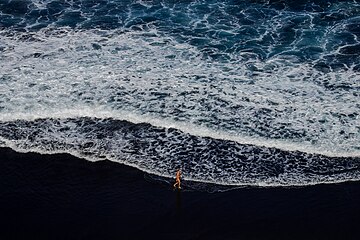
<point x="146" y="76"/>
<point x="185" y="127"/>
<point x="40" y="4"/>
<point x="159" y="152"/>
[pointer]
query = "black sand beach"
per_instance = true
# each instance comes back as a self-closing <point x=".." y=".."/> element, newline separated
<point x="63" y="197"/>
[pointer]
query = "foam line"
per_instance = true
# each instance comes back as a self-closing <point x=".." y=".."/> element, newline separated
<point x="185" y="127"/>
<point x="160" y="151"/>
<point x="156" y="173"/>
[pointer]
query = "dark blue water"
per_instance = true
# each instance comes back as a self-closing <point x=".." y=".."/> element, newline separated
<point x="223" y="30"/>
<point x="235" y="92"/>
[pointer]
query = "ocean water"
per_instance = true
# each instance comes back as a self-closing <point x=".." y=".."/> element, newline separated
<point x="251" y="92"/>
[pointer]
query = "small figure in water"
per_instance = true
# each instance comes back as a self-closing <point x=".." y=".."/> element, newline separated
<point x="177" y="180"/>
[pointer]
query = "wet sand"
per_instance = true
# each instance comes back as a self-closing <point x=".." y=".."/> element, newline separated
<point x="63" y="197"/>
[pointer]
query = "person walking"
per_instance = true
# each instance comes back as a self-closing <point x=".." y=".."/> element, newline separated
<point x="177" y="179"/>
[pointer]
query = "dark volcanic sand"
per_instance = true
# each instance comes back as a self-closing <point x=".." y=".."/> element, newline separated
<point x="63" y="197"/>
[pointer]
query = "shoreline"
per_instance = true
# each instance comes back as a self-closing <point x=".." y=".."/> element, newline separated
<point x="60" y="196"/>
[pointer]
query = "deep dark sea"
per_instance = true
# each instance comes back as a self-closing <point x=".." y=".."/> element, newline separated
<point x="250" y="98"/>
